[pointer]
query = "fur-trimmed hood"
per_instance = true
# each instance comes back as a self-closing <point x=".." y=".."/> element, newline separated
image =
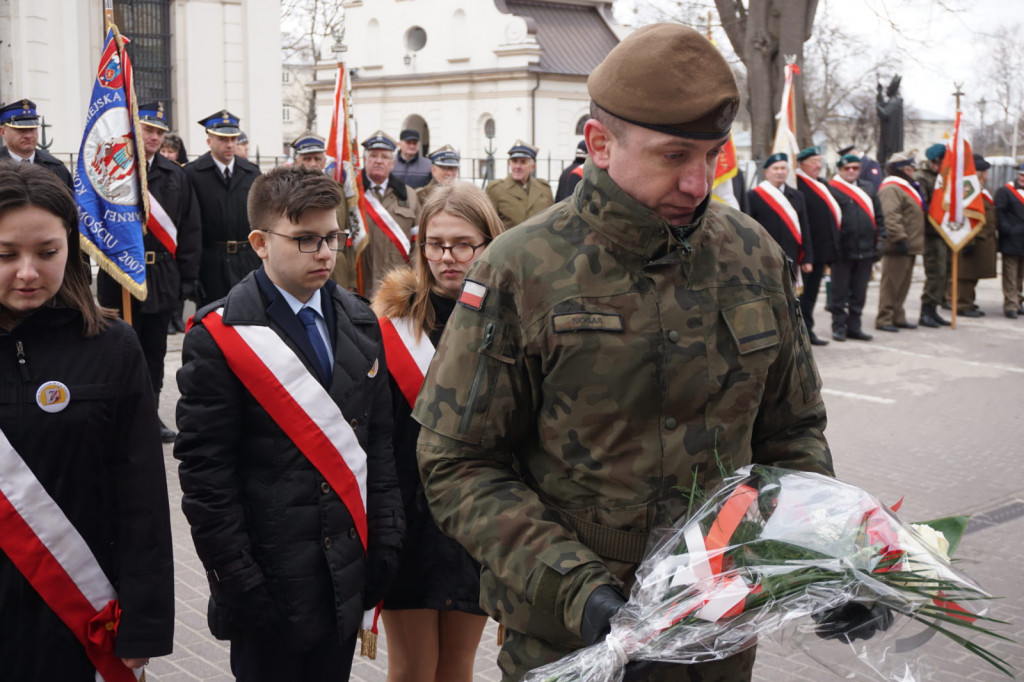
<point x="396" y="293"/>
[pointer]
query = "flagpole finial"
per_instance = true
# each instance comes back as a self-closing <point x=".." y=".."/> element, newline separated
<point x="958" y="94"/>
<point x="338" y="46"/>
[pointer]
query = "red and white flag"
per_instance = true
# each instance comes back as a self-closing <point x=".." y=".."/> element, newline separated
<point x="785" y="132"/>
<point x="957" y="208"/>
<point x="725" y="171"/>
<point x="343" y="155"/>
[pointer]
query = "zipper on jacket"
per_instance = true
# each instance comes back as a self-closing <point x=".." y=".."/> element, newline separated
<point x="474" y="389"/>
<point x="22" y="362"/>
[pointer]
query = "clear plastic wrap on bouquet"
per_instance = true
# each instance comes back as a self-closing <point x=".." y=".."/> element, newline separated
<point x="772" y="551"/>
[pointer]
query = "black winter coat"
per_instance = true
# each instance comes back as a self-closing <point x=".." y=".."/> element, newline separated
<point x="1010" y="222"/>
<point x="100" y="460"/>
<point x="435" y="571"/>
<point x="46" y="160"/>
<point x="763" y="213"/>
<point x="859" y="238"/>
<point x="222" y="208"/>
<point x="164" y="277"/>
<point x="280" y="548"/>
<point x="821" y="222"/>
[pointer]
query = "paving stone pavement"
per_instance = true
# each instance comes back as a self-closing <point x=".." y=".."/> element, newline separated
<point x="934" y="416"/>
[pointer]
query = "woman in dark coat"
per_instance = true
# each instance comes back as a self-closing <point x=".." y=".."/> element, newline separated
<point x="81" y="464"/>
<point x="431" y="613"/>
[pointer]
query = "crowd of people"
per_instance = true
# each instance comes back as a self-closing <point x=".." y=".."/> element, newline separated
<point x="493" y="431"/>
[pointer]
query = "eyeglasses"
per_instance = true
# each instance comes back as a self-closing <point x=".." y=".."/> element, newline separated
<point x="312" y="243"/>
<point x="461" y="252"/>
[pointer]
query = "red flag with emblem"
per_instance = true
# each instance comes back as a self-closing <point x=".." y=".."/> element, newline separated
<point x="957" y="208"/>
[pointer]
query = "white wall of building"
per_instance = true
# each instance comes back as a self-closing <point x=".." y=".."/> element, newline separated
<point x="225" y="54"/>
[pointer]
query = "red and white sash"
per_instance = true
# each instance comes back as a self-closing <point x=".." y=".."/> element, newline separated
<point x="300" y="405"/>
<point x="859" y="196"/>
<point x="48" y="550"/>
<point x="408" y="357"/>
<point x="894" y="181"/>
<point x="1019" y="193"/>
<point x="778" y="202"/>
<point x="391" y="229"/>
<point x="822" y="193"/>
<point x="987" y="196"/>
<point x="162" y="227"/>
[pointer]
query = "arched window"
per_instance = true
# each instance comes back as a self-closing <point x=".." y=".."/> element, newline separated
<point x="580" y="123"/>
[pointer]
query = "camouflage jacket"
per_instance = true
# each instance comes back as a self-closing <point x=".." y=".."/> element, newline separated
<point x="605" y="365"/>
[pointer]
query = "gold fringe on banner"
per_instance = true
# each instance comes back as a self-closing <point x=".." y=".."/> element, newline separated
<point x="108" y="266"/>
<point x="369" y="644"/>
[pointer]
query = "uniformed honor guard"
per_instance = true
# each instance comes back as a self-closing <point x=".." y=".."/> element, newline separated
<point x="443" y="171"/>
<point x="572" y="175"/>
<point x="392" y="235"/>
<point x="242" y="145"/>
<point x="19" y="128"/>
<point x="861" y="235"/>
<point x="936" y="252"/>
<point x="172" y="251"/>
<point x="781" y="211"/>
<point x="978" y="258"/>
<point x="520" y="195"/>
<point x="904" y="209"/>
<point x="608" y="353"/>
<point x="823" y="219"/>
<point x="221" y="180"/>
<point x="287" y="475"/>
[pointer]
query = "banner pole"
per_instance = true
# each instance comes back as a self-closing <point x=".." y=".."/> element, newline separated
<point x="126" y="305"/>
<point x="953" y="295"/>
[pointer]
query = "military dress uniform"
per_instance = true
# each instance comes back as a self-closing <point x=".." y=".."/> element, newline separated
<point x="382" y="255"/>
<point x="936" y="252"/>
<point x="227" y="256"/>
<point x="445" y="157"/>
<point x="904" y="240"/>
<point x="562" y="417"/>
<point x="516" y="202"/>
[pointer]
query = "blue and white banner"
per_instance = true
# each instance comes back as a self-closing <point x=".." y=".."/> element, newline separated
<point x="109" y="176"/>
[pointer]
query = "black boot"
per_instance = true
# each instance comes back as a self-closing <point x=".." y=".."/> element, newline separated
<point x="939" y="318"/>
<point x="166" y="435"/>
<point x="928" y="315"/>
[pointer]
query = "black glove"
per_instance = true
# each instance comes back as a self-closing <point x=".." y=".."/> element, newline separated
<point x="902" y="248"/>
<point x="187" y="290"/>
<point x="969" y="249"/>
<point x="879" y="251"/>
<point x="603" y="603"/>
<point x="852" y="621"/>
<point x="254" y="608"/>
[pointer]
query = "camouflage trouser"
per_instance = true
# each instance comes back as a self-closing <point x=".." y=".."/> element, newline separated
<point x="520" y="654"/>
<point x="936" y="269"/>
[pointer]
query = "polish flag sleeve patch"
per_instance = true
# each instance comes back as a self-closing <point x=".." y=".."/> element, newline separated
<point x="473" y="295"/>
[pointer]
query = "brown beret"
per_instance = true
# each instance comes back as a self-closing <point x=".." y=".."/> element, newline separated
<point x="669" y="78"/>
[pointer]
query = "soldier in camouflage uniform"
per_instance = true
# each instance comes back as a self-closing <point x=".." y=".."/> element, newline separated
<point x="603" y="354"/>
<point x="520" y="195"/>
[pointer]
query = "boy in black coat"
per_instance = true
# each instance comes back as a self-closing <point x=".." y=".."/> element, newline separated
<point x="285" y="445"/>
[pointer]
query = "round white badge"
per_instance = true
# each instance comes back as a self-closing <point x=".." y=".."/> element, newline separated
<point x="52" y="396"/>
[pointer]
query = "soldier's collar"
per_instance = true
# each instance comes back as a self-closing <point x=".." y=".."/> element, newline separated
<point x="625" y="221"/>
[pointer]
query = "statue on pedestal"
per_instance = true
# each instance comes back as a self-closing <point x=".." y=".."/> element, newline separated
<point x="890" y="120"/>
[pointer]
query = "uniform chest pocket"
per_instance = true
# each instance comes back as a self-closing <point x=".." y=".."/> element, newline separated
<point x="752" y="325"/>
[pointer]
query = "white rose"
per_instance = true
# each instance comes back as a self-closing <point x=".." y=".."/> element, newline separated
<point x="932" y="539"/>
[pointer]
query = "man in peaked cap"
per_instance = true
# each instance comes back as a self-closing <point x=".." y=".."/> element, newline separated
<point x="221" y="180"/>
<point x="573" y="173"/>
<point x="310" y="151"/>
<point x="170" y="276"/>
<point x="242" y="145"/>
<point x="444" y="170"/>
<point x="410" y="166"/>
<point x="19" y="128"/>
<point x="384" y="253"/>
<point x="904" y="209"/>
<point x="936" y="252"/>
<point x="582" y="381"/>
<point x="520" y="195"/>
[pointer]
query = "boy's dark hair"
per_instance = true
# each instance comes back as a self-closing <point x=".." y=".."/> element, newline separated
<point x="290" y="192"/>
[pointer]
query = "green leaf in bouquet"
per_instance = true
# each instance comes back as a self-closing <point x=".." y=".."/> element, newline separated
<point x="952" y="527"/>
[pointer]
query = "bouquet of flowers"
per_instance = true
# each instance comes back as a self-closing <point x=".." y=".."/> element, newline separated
<point x="771" y="547"/>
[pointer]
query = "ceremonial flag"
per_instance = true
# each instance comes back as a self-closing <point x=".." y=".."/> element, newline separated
<point x="726" y="170"/>
<point x="109" y="180"/>
<point x="785" y="132"/>
<point x="957" y="209"/>
<point x="343" y="155"/>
